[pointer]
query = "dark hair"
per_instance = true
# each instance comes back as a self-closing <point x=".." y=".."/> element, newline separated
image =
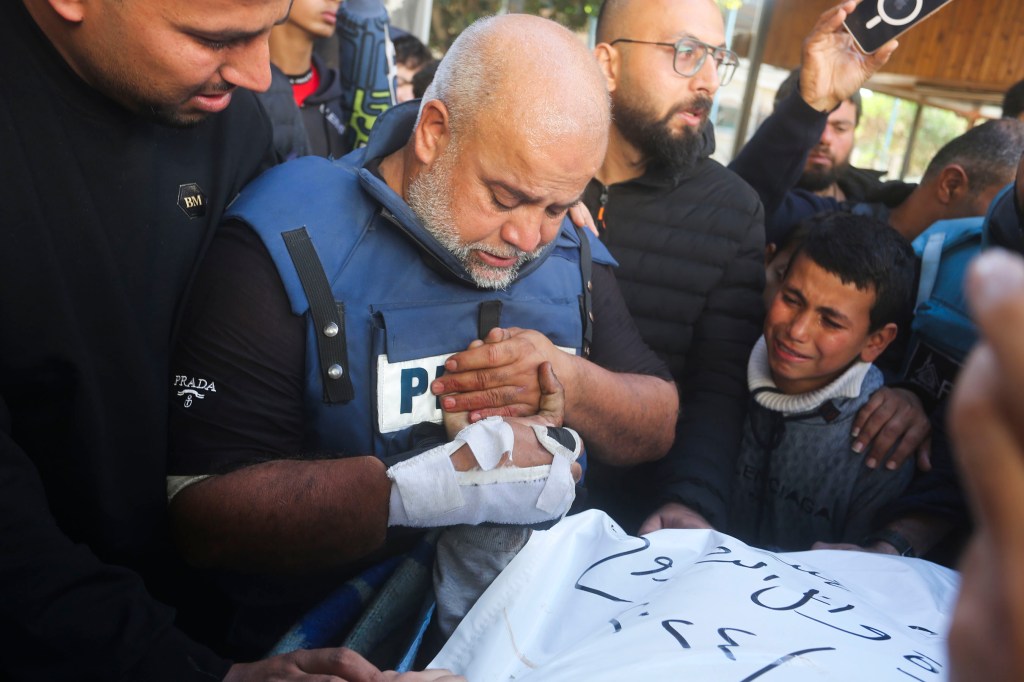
<point x="1013" y="101"/>
<point x="793" y="81"/>
<point x="869" y="254"/>
<point x="988" y="153"/>
<point x="794" y="236"/>
<point x="424" y="77"/>
<point x="410" y="51"/>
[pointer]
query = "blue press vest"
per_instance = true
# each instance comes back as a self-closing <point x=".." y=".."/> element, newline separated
<point x="402" y="317"/>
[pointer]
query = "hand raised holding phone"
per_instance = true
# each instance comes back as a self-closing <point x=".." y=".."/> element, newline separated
<point x="875" y="22"/>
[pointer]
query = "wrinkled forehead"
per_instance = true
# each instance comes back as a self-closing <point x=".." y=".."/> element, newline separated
<point x="554" y="171"/>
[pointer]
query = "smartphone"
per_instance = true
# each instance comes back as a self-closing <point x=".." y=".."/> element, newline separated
<point x="875" y="22"/>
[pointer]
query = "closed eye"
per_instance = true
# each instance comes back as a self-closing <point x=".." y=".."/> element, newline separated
<point x="830" y="323"/>
<point x="500" y="206"/>
<point x="215" y="45"/>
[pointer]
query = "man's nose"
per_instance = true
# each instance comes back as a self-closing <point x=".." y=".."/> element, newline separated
<point x="248" y="65"/>
<point x="706" y="79"/>
<point x="525" y="230"/>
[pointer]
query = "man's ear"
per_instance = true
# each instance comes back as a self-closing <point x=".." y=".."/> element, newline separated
<point x="69" y="10"/>
<point x="878" y="341"/>
<point x="769" y="253"/>
<point x="953" y="184"/>
<point x="433" y="132"/>
<point x="608" y="59"/>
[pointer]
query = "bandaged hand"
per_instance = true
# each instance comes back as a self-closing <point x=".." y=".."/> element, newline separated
<point x="519" y="471"/>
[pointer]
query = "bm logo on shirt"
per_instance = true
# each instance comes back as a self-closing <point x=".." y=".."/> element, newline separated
<point x="192" y="200"/>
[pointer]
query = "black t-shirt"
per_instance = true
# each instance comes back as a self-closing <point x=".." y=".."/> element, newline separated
<point x="238" y="325"/>
<point x="103" y="217"/>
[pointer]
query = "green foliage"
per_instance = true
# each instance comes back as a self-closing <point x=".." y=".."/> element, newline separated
<point x="875" y="149"/>
<point x="452" y="16"/>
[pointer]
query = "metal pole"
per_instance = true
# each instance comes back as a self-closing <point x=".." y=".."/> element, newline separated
<point x="757" y="56"/>
<point x="887" y="145"/>
<point x="730" y="29"/>
<point x="911" y="141"/>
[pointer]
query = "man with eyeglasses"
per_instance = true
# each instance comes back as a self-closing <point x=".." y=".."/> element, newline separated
<point x="689" y="238"/>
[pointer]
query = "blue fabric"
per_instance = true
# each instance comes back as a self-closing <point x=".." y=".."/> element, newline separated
<point x="407" y="298"/>
<point x="365" y="67"/>
<point x="942" y="319"/>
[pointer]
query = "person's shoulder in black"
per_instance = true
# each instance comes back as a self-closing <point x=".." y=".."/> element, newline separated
<point x="105" y="218"/>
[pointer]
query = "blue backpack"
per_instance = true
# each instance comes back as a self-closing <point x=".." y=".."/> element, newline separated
<point x="941" y="318"/>
<point x="942" y="333"/>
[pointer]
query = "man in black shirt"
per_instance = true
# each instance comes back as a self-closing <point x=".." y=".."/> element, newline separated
<point x="115" y="177"/>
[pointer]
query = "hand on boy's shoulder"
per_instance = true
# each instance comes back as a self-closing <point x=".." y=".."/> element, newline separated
<point x="893" y="417"/>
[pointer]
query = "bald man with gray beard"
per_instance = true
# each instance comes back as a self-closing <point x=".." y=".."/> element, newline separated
<point x="348" y="308"/>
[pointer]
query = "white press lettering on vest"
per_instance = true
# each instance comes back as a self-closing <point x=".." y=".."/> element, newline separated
<point x="403" y="392"/>
<point x="193" y="388"/>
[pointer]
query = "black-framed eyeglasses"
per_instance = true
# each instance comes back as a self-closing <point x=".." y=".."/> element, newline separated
<point x="690" y="55"/>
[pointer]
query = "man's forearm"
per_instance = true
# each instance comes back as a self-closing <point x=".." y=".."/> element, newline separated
<point x="773" y="160"/>
<point x="285" y="515"/>
<point x="624" y="419"/>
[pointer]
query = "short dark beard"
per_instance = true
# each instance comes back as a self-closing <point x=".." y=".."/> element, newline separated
<point x="675" y="154"/>
<point x="817" y="179"/>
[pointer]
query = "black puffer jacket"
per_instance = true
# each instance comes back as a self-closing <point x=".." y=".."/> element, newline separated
<point x="691" y="268"/>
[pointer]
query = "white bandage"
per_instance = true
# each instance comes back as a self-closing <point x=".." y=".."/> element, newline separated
<point x="426" y="491"/>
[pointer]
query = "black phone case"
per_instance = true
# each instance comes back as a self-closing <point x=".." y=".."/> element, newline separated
<point x="875" y="22"/>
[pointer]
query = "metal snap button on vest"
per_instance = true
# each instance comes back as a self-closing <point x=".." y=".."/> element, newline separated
<point x="335" y="371"/>
<point x="331" y="329"/>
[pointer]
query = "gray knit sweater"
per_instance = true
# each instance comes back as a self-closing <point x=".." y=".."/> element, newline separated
<point x="797" y="481"/>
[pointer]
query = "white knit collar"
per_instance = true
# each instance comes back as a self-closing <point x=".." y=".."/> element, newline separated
<point x="846" y="385"/>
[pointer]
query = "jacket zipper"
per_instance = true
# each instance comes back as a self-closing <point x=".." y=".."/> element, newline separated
<point x="602" y="226"/>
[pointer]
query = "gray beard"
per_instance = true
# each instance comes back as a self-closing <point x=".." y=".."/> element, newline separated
<point x="429" y="198"/>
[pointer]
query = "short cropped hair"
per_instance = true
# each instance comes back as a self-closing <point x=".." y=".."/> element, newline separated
<point x="476" y="75"/>
<point x="1013" y="101"/>
<point x="867" y="253"/>
<point x="988" y="153"/>
<point x="793" y="81"/>
<point x="611" y="12"/>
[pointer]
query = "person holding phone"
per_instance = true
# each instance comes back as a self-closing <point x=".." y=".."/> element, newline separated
<point x="876" y="22"/>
